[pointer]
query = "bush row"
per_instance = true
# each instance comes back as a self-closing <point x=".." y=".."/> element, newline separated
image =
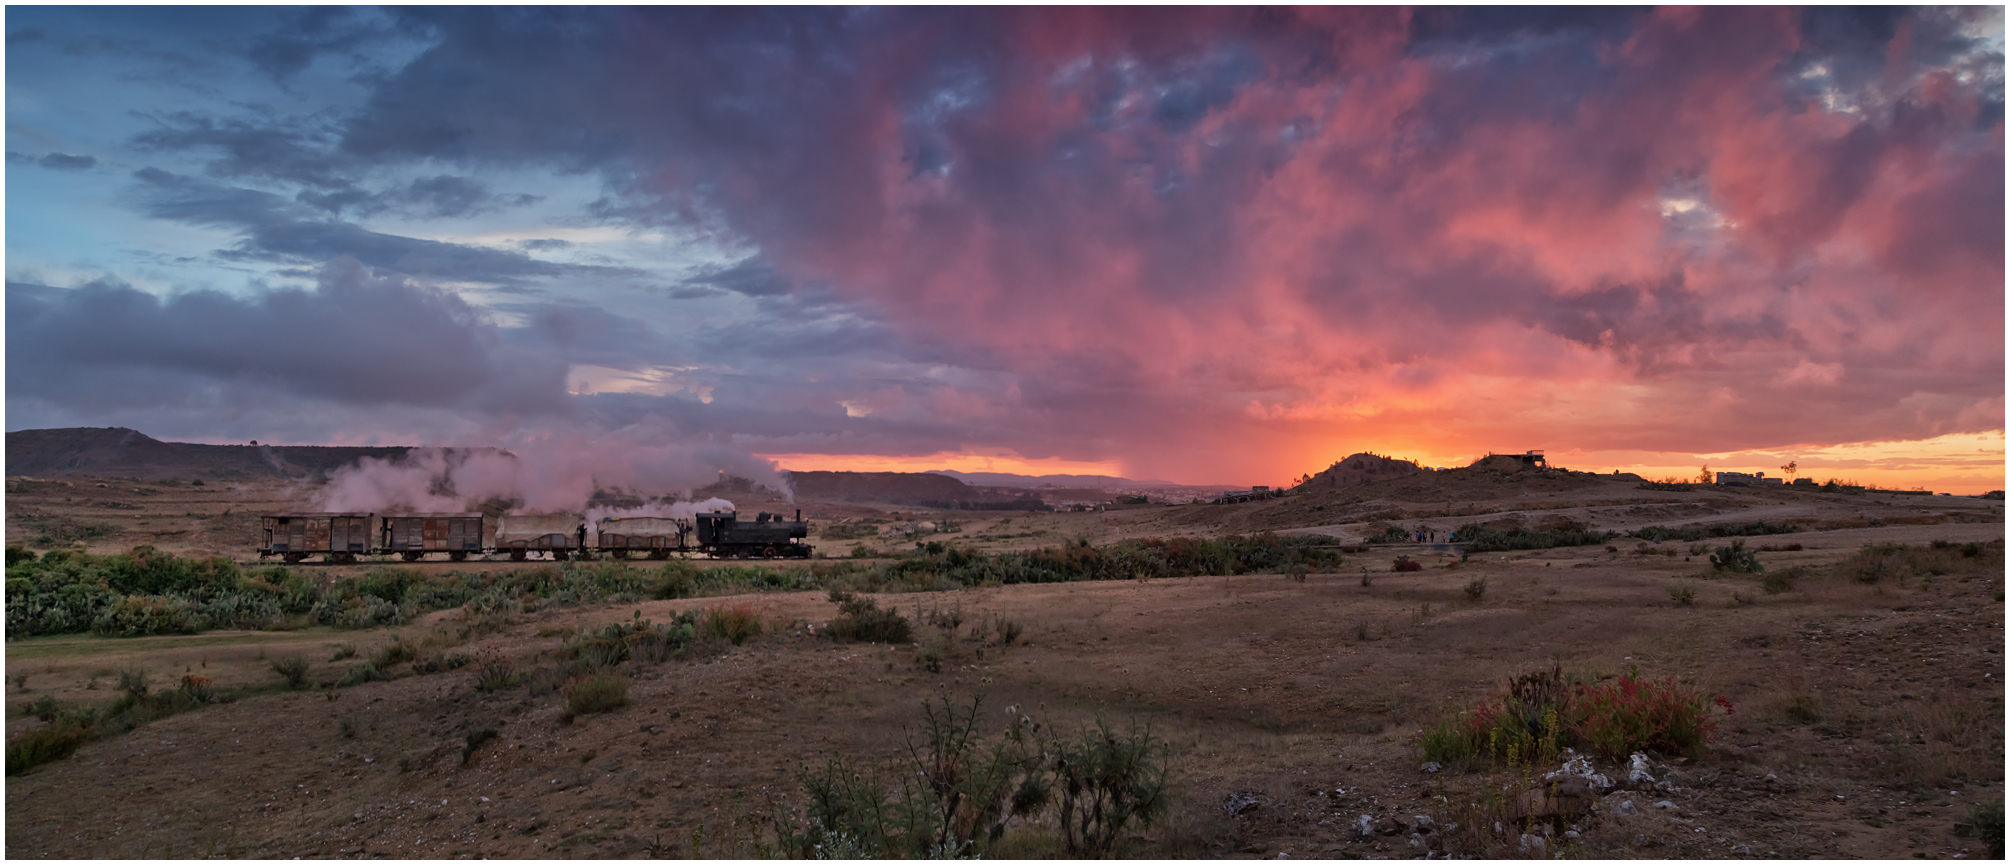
<point x="146" y="591"/>
<point x="1657" y="534"/>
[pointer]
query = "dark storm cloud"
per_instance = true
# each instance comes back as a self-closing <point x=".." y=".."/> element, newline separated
<point x="247" y="149"/>
<point x="289" y="49"/>
<point x="66" y="162"/>
<point x="750" y="276"/>
<point x="280" y="231"/>
<point x="356" y="338"/>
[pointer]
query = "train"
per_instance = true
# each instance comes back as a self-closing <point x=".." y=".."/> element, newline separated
<point x="344" y="537"/>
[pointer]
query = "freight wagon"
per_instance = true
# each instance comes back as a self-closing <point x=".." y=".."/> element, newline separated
<point x="561" y="535"/>
<point x="656" y="537"/>
<point x="412" y="536"/>
<point x="338" y="537"/>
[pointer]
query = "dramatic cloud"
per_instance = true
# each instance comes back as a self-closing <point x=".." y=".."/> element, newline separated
<point x="1200" y="243"/>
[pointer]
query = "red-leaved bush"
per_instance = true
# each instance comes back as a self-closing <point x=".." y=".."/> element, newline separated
<point x="1627" y="714"/>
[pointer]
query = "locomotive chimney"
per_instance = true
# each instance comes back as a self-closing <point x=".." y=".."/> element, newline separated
<point x="799" y="515"/>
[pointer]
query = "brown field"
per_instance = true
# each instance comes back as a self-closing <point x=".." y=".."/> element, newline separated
<point x="1868" y="717"/>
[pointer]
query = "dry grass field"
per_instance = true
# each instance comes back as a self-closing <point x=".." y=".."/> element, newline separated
<point x="1867" y="714"/>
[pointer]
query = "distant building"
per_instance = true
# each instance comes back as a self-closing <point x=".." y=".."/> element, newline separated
<point x="1530" y="459"/>
<point x="1741" y="479"/>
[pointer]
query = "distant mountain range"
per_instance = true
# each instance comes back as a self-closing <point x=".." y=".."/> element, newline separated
<point x="124" y="453"/>
<point x="1098" y="482"/>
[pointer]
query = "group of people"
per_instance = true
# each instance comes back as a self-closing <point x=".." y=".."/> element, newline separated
<point x="1430" y="536"/>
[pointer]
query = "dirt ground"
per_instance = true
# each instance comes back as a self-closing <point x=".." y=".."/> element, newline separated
<point x="1867" y="716"/>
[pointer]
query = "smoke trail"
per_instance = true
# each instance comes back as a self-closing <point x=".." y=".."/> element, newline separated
<point x="551" y="473"/>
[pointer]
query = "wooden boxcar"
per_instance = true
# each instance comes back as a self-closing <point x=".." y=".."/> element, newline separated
<point x="412" y="536"/>
<point x="337" y="537"/>
<point x="657" y="537"/>
<point x="520" y="535"/>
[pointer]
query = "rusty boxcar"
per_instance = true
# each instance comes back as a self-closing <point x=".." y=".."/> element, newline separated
<point x="412" y="536"/>
<point x="338" y="537"/>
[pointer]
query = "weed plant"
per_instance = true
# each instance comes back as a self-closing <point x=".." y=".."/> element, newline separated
<point x="1476" y="589"/>
<point x="1404" y="564"/>
<point x="860" y="620"/>
<point x="601" y="692"/>
<point x="956" y="794"/>
<point x="292" y="668"/>
<point x="1538" y="714"/>
<point x="736" y="624"/>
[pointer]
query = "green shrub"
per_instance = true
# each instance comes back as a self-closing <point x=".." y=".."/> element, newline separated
<point x="293" y="668"/>
<point x="1403" y="564"/>
<point x="398" y="652"/>
<point x="929" y="656"/>
<point x="1984" y="820"/>
<point x="1682" y="594"/>
<point x="1107" y="781"/>
<point x="1736" y="559"/>
<point x="860" y="620"/>
<point x="366" y="672"/>
<point x="597" y="693"/>
<point x="1476" y="589"/>
<point x="952" y="797"/>
<point x="46" y="744"/>
<point x="493" y="672"/>
<point x="1009" y="631"/>
<point x="343" y="651"/>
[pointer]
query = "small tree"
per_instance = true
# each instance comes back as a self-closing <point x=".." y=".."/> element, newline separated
<point x="1790" y="468"/>
<point x="1706" y="476"/>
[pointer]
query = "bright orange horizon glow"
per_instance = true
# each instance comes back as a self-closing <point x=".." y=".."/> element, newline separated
<point x="941" y="461"/>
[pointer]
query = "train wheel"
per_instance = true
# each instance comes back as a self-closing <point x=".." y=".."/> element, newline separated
<point x="342" y="558"/>
<point x="770" y="552"/>
<point x="621" y="555"/>
<point x="411" y="555"/>
<point x="294" y="558"/>
<point x="517" y="555"/>
<point x="659" y="555"/>
<point x="458" y="556"/>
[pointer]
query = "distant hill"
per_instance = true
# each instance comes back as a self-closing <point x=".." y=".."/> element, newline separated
<point x="1006" y="479"/>
<point x="1360" y="469"/>
<point x="904" y="488"/>
<point x="124" y="453"/>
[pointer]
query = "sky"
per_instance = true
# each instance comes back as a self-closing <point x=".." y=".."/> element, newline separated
<point x="1202" y="244"/>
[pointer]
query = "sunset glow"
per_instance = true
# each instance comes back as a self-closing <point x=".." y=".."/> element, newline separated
<point x="1203" y="245"/>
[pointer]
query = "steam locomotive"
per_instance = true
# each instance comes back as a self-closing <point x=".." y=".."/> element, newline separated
<point x="343" y="537"/>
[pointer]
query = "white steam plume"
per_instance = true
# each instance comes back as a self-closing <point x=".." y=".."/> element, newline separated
<point x="551" y="473"/>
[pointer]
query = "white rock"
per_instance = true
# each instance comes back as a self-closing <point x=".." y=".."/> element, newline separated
<point x="1431" y="768"/>
<point x="1637" y="774"/>
<point x="1626" y="807"/>
<point x="1664" y="804"/>
<point x="1532" y="843"/>
<point x="1364" y="825"/>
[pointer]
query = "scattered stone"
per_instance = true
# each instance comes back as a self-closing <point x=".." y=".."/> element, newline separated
<point x="1431" y="768"/>
<point x="1665" y="804"/>
<point x="1626" y="808"/>
<point x="1388" y="826"/>
<point x="1364" y="825"/>
<point x="1741" y="850"/>
<point x="1572" y="833"/>
<point x="1238" y="802"/>
<point x="1532" y="843"/>
<point x="1578" y="765"/>
<point x="1560" y="801"/>
<point x="1422" y="824"/>
<point x="1637" y="773"/>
